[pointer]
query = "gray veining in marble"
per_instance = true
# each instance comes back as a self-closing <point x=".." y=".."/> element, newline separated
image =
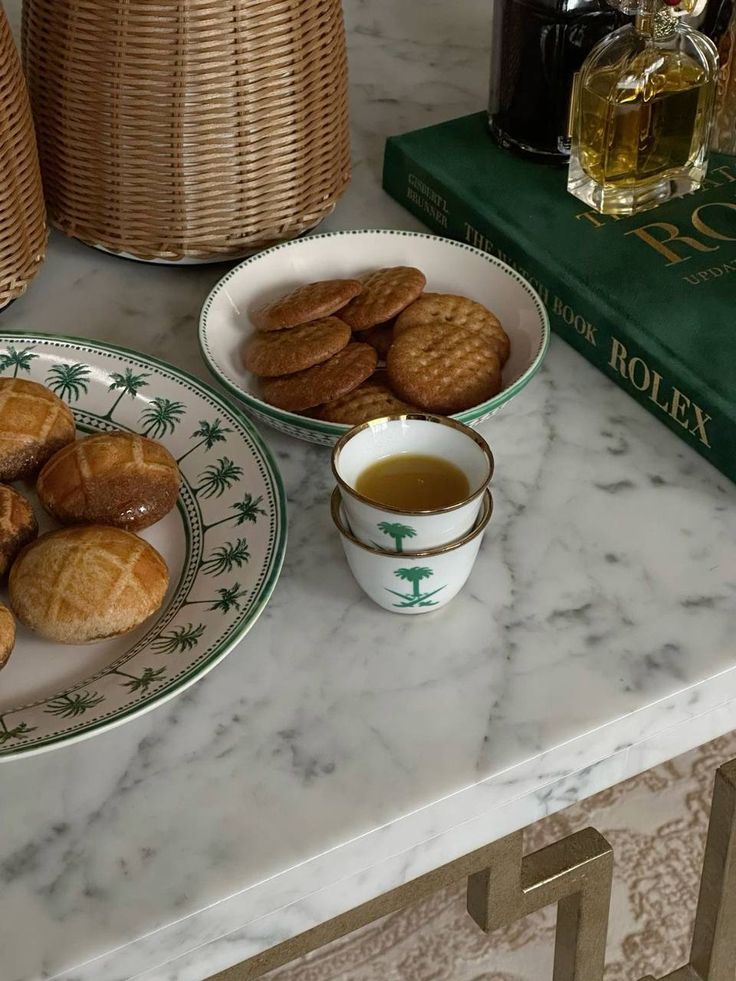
<point x="341" y="751"/>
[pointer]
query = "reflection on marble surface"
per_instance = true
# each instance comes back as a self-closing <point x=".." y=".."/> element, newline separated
<point x="341" y="751"/>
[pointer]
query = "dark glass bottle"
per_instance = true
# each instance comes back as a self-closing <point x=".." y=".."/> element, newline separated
<point x="536" y="48"/>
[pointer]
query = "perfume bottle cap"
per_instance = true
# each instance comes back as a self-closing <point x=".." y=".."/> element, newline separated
<point x="676" y="8"/>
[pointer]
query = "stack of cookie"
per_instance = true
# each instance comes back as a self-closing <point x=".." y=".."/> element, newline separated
<point x="351" y="350"/>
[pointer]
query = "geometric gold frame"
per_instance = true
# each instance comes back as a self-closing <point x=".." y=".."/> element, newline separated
<point x="576" y="873"/>
<point x="713" y="953"/>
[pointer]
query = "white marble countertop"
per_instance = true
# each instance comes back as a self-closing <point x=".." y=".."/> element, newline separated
<point x="341" y="751"/>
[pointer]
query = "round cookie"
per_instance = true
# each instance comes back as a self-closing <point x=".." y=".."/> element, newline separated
<point x="117" y="478"/>
<point x="381" y="338"/>
<point x="455" y="311"/>
<point x="34" y="424"/>
<point x="310" y="302"/>
<point x="288" y="351"/>
<point x="442" y="370"/>
<point x="7" y="634"/>
<point x="324" y="382"/>
<point x="386" y="293"/>
<point x="18" y="526"/>
<point x="79" y="585"/>
<point x="371" y="400"/>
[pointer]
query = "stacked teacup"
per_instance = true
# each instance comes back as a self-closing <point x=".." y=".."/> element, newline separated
<point x="411" y="506"/>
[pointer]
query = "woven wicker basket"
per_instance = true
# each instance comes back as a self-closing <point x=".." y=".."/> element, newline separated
<point x="173" y="129"/>
<point x="23" y="231"/>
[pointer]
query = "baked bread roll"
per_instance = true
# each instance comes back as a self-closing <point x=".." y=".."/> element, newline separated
<point x="79" y="585"/>
<point x="18" y="526"/>
<point x="34" y="424"/>
<point x="7" y="634"/>
<point x="114" y="479"/>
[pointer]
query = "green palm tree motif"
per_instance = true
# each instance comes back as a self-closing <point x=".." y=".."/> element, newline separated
<point x="161" y="416"/>
<point x="208" y="434"/>
<point x="218" y="478"/>
<point x="142" y="682"/>
<point x="21" y="731"/>
<point x="69" y="706"/>
<point x="246" y="510"/>
<point x="17" y="360"/>
<point x="228" y="599"/>
<point x="224" y="558"/>
<point x="414" y="575"/>
<point x="179" y="640"/>
<point x="397" y="531"/>
<point x="128" y="383"/>
<point x="69" y="381"/>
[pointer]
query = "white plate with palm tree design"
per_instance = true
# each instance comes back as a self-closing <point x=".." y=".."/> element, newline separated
<point x="224" y="544"/>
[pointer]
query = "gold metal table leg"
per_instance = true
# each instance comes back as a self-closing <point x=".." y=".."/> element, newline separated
<point x="576" y="873"/>
<point x="713" y="954"/>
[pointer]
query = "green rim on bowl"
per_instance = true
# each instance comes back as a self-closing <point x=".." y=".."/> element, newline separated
<point x="299" y="425"/>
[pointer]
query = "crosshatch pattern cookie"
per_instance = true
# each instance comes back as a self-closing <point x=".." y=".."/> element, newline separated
<point x="371" y="400"/>
<point x="386" y="293"/>
<point x="7" y="634"/>
<point x="285" y="352"/>
<point x="18" y="526"/>
<point x="116" y="478"/>
<point x="455" y="311"/>
<point x="83" y="584"/>
<point x="443" y="370"/>
<point x="324" y="382"/>
<point x="34" y="424"/>
<point x="310" y="302"/>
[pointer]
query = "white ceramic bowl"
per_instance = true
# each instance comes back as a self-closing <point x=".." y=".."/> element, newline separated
<point x="416" y="582"/>
<point x="451" y="267"/>
<point x="394" y="529"/>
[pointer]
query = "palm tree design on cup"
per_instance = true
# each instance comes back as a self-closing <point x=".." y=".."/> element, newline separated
<point x="218" y="478"/>
<point x="179" y="640"/>
<point x="207" y="435"/>
<point x="226" y="557"/>
<point x="415" y="574"/>
<point x="161" y="417"/>
<point x="246" y="510"/>
<point x="128" y="383"/>
<point x="68" y="381"/>
<point x="140" y="682"/>
<point x="20" y="732"/>
<point x="397" y="531"/>
<point x="69" y="706"/>
<point x="17" y="360"/>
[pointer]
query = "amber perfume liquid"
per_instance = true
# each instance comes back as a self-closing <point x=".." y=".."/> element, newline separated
<point x="537" y="46"/>
<point x="627" y="140"/>
<point x="642" y="115"/>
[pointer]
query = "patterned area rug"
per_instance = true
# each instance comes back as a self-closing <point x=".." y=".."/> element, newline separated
<point x="655" y="822"/>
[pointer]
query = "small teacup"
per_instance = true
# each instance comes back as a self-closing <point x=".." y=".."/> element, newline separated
<point x="417" y="582"/>
<point x="392" y="529"/>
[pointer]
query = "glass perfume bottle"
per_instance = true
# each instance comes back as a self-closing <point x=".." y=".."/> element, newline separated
<point x="642" y="112"/>
<point x="537" y="46"/>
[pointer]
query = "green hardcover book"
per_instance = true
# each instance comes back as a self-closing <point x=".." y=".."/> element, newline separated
<point x="650" y="299"/>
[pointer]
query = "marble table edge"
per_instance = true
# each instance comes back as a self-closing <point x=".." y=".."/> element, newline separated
<point x="232" y="929"/>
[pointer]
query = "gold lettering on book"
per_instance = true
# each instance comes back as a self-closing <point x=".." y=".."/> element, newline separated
<point x="662" y="245"/>
<point x="678" y="406"/>
<point x="668" y="235"/>
<point x="713" y="272"/>
<point x="580" y="325"/>
<point x="480" y="241"/>
<point x="426" y="198"/>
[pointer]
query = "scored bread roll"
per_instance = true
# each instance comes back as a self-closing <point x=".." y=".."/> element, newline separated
<point x="18" y="526"/>
<point x="34" y="424"/>
<point x="79" y="585"/>
<point x="114" y="478"/>
<point x="7" y="634"/>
